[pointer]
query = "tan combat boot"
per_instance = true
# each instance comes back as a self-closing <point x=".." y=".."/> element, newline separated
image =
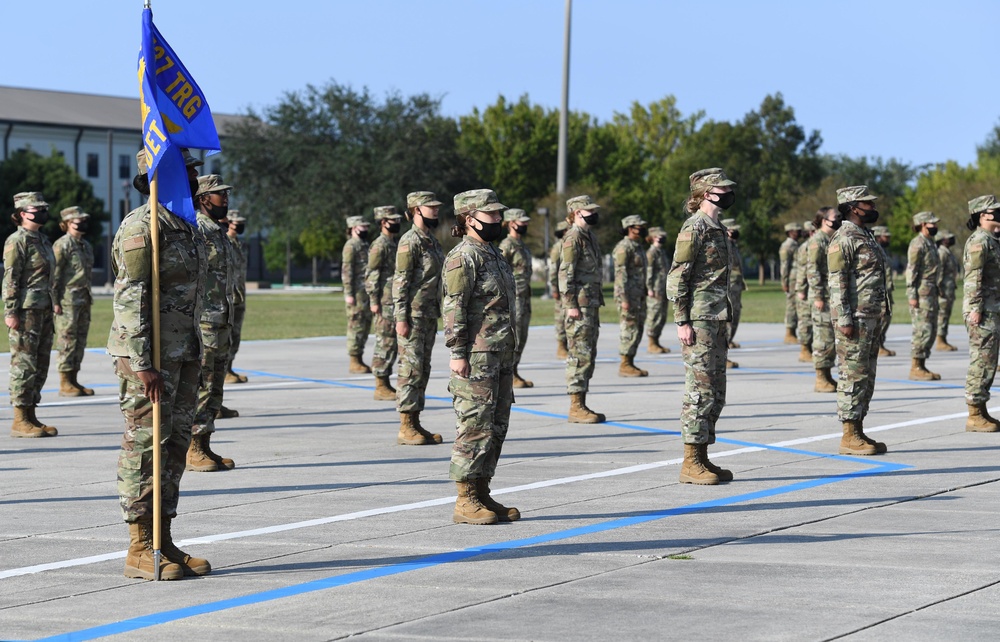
<point x="232" y="377"/>
<point x="853" y="443"/>
<point x="221" y="462"/>
<point x="50" y="431"/>
<point x="732" y="365"/>
<point x="428" y="435"/>
<point x="880" y="448"/>
<point x="734" y="346"/>
<point x="723" y="474"/>
<point x="886" y="352"/>
<point x="66" y="387"/>
<point x="579" y="413"/>
<point x="139" y="560"/>
<point x="521" y="382"/>
<point x="628" y="369"/>
<point x="226" y="413"/>
<point x="408" y="433"/>
<point x="189" y="565"/>
<point x="87" y="392"/>
<point x="919" y="371"/>
<point x="824" y="381"/>
<point x="384" y="390"/>
<point x="805" y="354"/>
<point x="694" y="470"/>
<point x="357" y="366"/>
<point x="978" y="421"/>
<point x="22" y="426"/>
<point x="790" y="336"/>
<point x="197" y="459"/>
<point x="503" y="513"/>
<point x="561" y="351"/>
<point x="942" y="345"/>
<point x="468" y="508"/>
<point x="655" y="347"/>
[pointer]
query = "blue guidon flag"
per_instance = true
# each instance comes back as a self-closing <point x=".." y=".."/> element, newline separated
<point x="175" y="115"/>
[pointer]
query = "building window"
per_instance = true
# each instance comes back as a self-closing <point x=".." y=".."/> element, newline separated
<point x="93" y="165"/>
<point x="124" y="166"/>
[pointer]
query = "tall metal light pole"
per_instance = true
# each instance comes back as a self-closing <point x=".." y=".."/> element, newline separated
<point x="564" y="117"/>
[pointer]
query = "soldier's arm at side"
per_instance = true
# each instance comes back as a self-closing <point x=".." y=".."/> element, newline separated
<point x="621" y="259"/>
<point x="460" y="279"/>
<point x="13" y="263"/>
<point x="405" y="260"/>
<point x="815" y="267"/>
<point x="133" y="299"/>
<point x="568" y="287"/>
<point x="679" y="277"/>
<point x="914" y="269"/>
<point x="840" y="259"/>
<point x="975" y="259"/>
<point x="347" y="272"/>
<point x="374" y="283"/>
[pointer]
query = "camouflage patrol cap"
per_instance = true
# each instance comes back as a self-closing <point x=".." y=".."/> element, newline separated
<point x="711" y="177"/>
<point x="478" y="200"/>
<point x="140" y="161"/>
<point x="881" y="230"/>
<point x="210" y="183"/>
<point x="562" y="226"/>
<point x="73" y="213"/>
<point x="943" y="235"/>
<point x="24" y="200"/>
<point x="808" y="226"/>
<point x="515" y="215"/>
<point x="387" y="211"/>
<point x="189" y="160"/>
<point x="413" y="199"/>
<point x="582" y="202"/>
<point x="633" y="221"/>
<point x="356" y="221"/>
<point x="657" y="231"/>
<point x="924" y="217"/>
<point x="234" y="216"/>
<point x="983" y="203"/>
<point x="854" y="193"/>
<point x="730" y="224"/>
<point x="794" y="226"/>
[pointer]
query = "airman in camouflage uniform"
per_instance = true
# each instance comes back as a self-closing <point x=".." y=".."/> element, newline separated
<point x="786" y="261"/>
<point x="698" y="286"/>
<point x="416" y="293"/>
<point x="883" y="237"/>
<point x="803" y="307"/>
<point x="582" y="298"/>
<point x="859" y="305"/>
<point x="981" y="309"/>
<point x="73" y="275"/>
<point x="241" y="254"/>
<point x="824" y="352"/>
<point x="657" y="264"/>
<point x="359" y="315"/>
<point x="514" y="250"/>
<point x="378" y="286"/>
<point x="217" y="316"/>
<point x="28" y="280"/>
<point x="481" y="333"/>
<point x="174" y="384"/>
<point x="558" y="312"/>
<point x="947" y="284"/>
<point x="630" y="293"/>
<point x="923" y="267"/>
<point x="737" y="284"/>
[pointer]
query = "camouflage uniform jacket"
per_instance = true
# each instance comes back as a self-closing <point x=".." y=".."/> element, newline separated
<point x="519" y="257"/>
<point x="656" y="270"/>
<point x="630" y="272"/>
<point x="736" y="282"/>
<point x="220" y="278"/>
<point x="948" y="275"/>
<point x="416" y="285"/>
<point x="580" y="270"/>
<point x="241" y="254"/>
<point x="816" y="266"/>
<point x="981" y="260"/>
<point x="29" y="271"/>
<point x="555" y="260"/>
<point x="698" y="282"/>
<point x="479" y="300"/>
<point x="857" y="276"/>
<point x="381" y="264"/>
<point x="923" y="267"/>
<point x="352" y="269"/>
<point x="182" y="289"/>
<point x="801" y="276"/>
<point x="786" y="259"/>
<point x="74" y="270"/>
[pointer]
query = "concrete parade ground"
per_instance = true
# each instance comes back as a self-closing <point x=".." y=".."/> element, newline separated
<point x="327" y="529"/>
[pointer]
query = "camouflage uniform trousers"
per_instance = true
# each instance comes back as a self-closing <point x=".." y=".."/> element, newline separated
<point x="415" y="364"/>
<point x="239" y="313"/>
<point x="135" y="461"/>
<point x="30" y="346"/>
<point x="359" y="326"/>
<point x="630" y="325"/>
<point x="824" y="346"/>
<point x="482" y="403"/>
<point x="522" y="312"/>
<point x="924" y="331"/>
<point x="945" y="306"/>
<point x="857" y="358"/>
<point x="736" y="302"/>
<point x="791" y="311"/>
<point x="984" y="348"/>
<point x="214" y="361"/>
<point x="656" y="314"/>
<point x="71" y="328"/>
<point x="559" y="319"/>
<point x="805" y="323"/>
<point x="704" y="381"/>
<point x="385" y="343"/>
<point x="581" y="344"/>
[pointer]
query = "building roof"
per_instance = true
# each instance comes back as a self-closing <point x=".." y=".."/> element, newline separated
<point x="68" y="109"/>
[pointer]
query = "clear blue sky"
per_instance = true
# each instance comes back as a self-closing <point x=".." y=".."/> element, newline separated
<point x="911" y="79"/>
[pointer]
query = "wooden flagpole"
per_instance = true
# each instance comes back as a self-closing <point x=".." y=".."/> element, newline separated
<point x="154" y="233"/>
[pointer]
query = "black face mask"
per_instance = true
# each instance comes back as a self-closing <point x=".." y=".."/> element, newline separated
<point x="883" y="243"/>
<point x="835" y="224"/>
<point x="393" y="228"/>
<point x="489" y="232"/>
<point x="735" y="234"/>
<point x="431" y="223"/>
<point x="592" y="219"/>
<point x="521" y="229"/>
<point x="216" y="212"/>
<point x="240" y="227"/>
<point x="867" y="217"/>
<point x="932" y="230"/>
<point x="82" y="227"/>
<point x="643" y="232"/>
<point x="725" y="201"/>
<point x="39" y="217"/>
